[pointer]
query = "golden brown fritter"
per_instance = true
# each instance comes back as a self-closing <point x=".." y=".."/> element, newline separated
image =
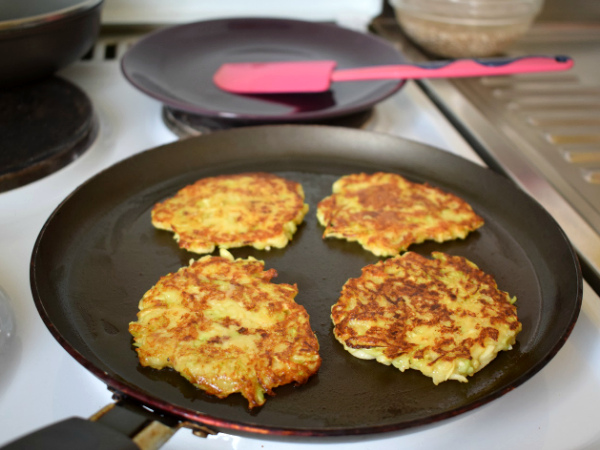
<point x="442" y="316"/>
<point x="260" y="210"/>
<point x="386" y="213"/>
<point x="226" y="328"/>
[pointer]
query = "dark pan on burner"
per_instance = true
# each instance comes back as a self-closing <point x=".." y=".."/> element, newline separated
<point x="176" y="65"/>
<point x="98" y="254"/>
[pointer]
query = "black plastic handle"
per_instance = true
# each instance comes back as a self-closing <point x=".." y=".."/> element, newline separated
<point x="122" y="425"/>
<point x="74" y="434"/>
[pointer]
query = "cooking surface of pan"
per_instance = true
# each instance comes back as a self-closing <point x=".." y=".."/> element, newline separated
<point x="98" y="253"/>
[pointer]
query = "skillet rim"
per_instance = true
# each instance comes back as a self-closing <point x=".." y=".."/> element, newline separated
<point x="113" y="381"/>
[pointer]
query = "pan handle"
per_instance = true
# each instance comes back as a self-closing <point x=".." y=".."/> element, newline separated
<point x="122" y="425"/>
<point x="71" y="434"/>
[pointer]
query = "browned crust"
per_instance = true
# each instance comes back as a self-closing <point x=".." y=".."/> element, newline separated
<point x="391" y="213"/>
<point x="268" y="202"/>
<point x="407" y="291"/>
<point x="275" y="358"/>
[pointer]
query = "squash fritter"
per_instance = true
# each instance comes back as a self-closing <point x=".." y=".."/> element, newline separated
<point x="386" y="213"/>
<point x="443" y="316"/>
<point x="226" y="328"/>
<point x="261" y="210"/>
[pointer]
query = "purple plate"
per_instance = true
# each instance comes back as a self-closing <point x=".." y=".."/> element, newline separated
<point x="176" y="65"/>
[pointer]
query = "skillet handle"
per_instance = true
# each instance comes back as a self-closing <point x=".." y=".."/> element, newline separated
<point x="73" y="434"/>
<point x="122" y="425"/>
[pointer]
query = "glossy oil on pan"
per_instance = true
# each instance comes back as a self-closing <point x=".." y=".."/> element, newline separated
<point x="98" y="253"/>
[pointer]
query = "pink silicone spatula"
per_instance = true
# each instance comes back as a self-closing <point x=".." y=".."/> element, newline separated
<point x="317" y="76"/>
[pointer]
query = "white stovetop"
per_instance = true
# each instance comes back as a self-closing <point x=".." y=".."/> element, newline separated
<point x="351" y="13"/>
<point x="41" y="384"/>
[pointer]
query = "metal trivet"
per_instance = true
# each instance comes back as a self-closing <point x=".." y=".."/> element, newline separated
<point x="185" y="124"/>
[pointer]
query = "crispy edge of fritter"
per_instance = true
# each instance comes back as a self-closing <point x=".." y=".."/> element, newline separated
<point x="305" y="340"/>
<point x="369" y="226"/>
<point x="282" y="230"/>
<point x="469" y="359"/>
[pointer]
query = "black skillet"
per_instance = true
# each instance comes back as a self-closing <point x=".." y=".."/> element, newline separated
<point x="37" y="38"/>
<point x="98" y="253"/>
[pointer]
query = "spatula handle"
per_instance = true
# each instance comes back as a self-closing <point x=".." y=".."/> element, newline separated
<point x="457" y="68"/>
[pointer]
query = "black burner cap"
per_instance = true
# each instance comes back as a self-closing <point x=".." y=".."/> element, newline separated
<point x="43" y="127"/>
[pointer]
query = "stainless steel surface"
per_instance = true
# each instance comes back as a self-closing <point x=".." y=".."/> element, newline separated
<point x="541" y="130"/>
<point x="553" y="118"/>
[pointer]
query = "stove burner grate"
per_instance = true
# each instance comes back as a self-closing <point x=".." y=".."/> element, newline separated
<point x="185" y="124"/>
<point x="43" y="127"/>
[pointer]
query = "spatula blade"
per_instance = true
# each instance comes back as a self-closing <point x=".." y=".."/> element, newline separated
<point x="276" y="77"/>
